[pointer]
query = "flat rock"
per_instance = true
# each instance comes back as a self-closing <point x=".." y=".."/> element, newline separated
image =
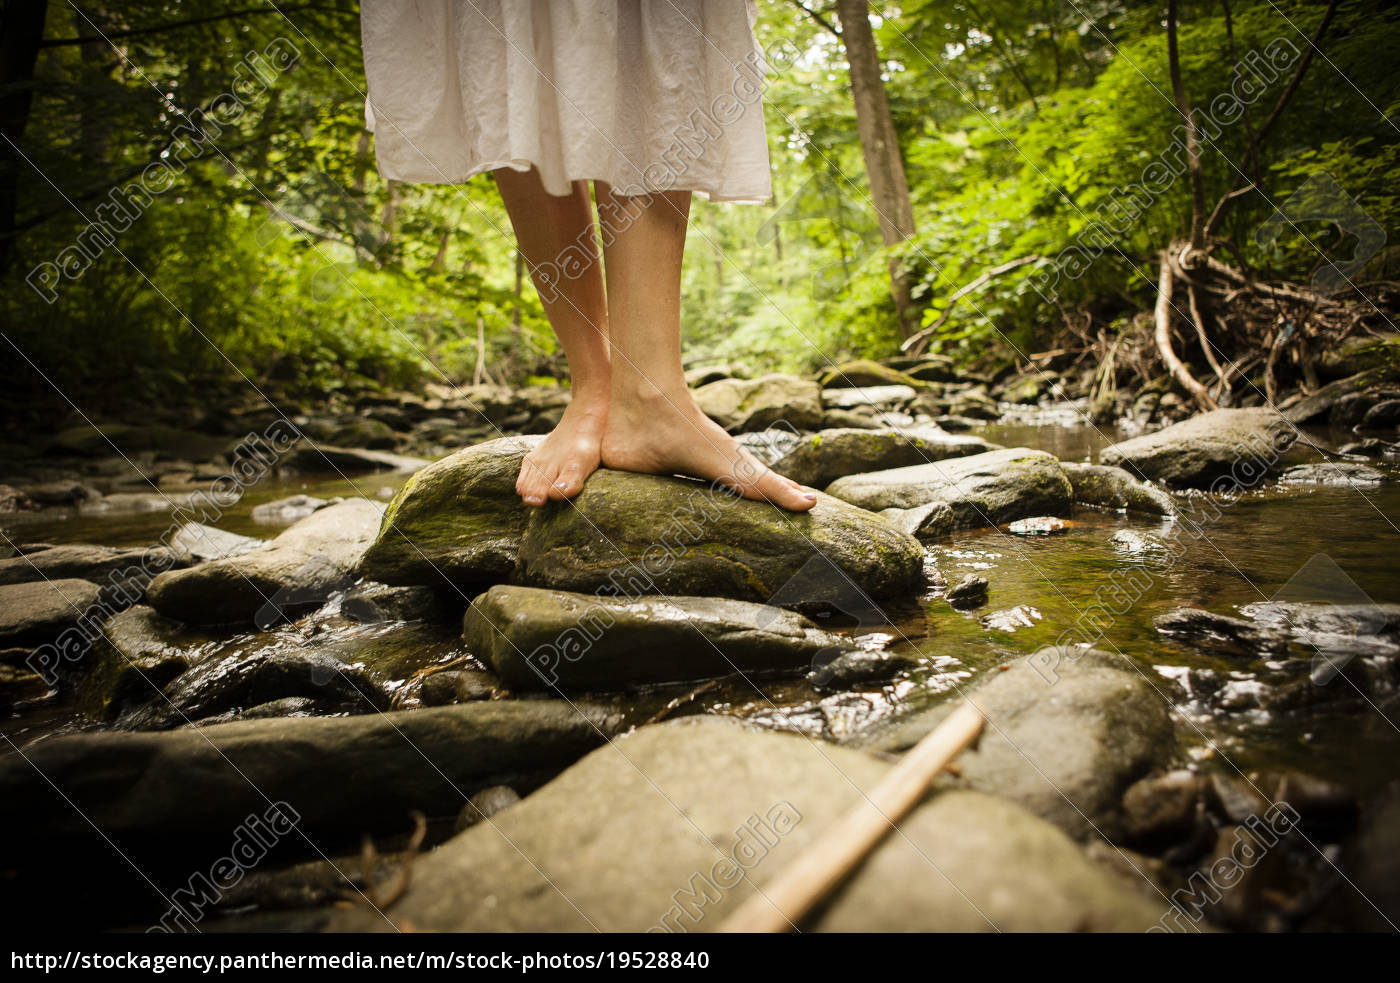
<point x="309" y="456"/>
<point x="540" y="639"/>
<point x="702" y="813"/>
<point x="1337" y="474"/>
<point x="288" y="509"/>
<point x="875" y="397"/>
<point x="864" y="372"/>
<point x="34" y="613"/>
<point x="1221" y="634"/>
<point x="983" y="489"/>
<point x="1235" y="448"/>
<point x="741" y="405"/>
<point x="83" y="561"/>
<point x="351" y="774"/>
<point x="198" y="543"/>
<point x="649" y="534"/>
<point x="457" y="523"/>
<point x="820" y="458"/>
<point x="293" y="573"/>
<point x="1069" y="730"/>
<point x="1114" y="488"/>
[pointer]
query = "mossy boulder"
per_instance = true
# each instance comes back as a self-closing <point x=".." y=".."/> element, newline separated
<point x="1228" y="449"/>
<point x="741" y="405"/>
<point x="864" y="372"/>
<point x="826" y="455"/>
<point x="648" y="534"/>
<point x="457" y="523"/>
<point x="1114" y="488"/>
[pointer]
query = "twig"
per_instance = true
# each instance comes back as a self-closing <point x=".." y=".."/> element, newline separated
<point x="1162" y="318"/>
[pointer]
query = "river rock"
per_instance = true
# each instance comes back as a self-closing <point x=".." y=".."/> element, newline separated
<point x="457" y="524"/>
<point x="821" y="458"/>
<point x="1234" y="448"/>
<point x="315" y="457"/>
<point x="703" y="812"/>
<point x="293" y="573"/>
<point x="970" y="592"/>
<point x="1221" y="634"/>
<point x="1069" y="730"/>
<point x="1114" y="488"/>
<point x="371" y="602"/>
<point x="135" y="656"/>
<point x="740" y="405"/>
<point x="649" y="534"/>
<point x="82" y="561"/>
<point x="868" y="397"/>
<point x="198" y="543"/>
<point x="288" y="509"/>
<point x="983" y="489"/>
<point x="540" y="639"/>
<point x="37" y="612"/>
<point x="864" y="372"/>
<point x="1338" y="474"/>
<point x="931" y="521"/>
<point x="349" y="774"/>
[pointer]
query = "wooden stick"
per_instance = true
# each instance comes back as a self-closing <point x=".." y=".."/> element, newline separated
<point x="829" y="858"/>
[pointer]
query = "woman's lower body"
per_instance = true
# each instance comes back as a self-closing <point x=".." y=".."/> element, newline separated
<point x="651" y="101"/>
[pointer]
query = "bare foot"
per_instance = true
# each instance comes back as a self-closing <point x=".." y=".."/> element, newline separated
<point x="558" y="467"/>
<point x="655" y="435"/>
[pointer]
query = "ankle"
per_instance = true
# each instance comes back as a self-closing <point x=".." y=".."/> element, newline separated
<point x="642" y="399"/>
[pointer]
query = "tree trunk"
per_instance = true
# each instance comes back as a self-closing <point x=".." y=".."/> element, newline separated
<point x="21" y="29"/>
<point x="1193" y="150"/>
<point x="889" y="188"/>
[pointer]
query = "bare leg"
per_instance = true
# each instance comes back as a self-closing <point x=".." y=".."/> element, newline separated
<point x="556" y="236"/>
<point x="653" y="423"/>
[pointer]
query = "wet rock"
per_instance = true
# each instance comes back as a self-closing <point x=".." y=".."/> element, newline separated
<point x="457" y="686"/>
<point x="349" y="774"/>
<point x="1221" y="634"/>
<point x="1040" y="525"/>
<point x="1161" y="809"/>
<point x="19" y="686"/>
<point x="484" y="805"/>
<point x="874" y="397"/>
<point x="540" y="639"/>
<point x="864" y="372"/>
<point x="196" y="542"/>
<point x="86" y="562"/>
<point x="931" y="521"/>
<point x="457" y="524"/>
<point x="646" y="534"/>
<point x="371" y="602"/>
<point x="983" y="489"/>
<point x="740" y="405"/>
<point x="34" y="613"/>
<point x="1139" y="543"/>
<point x="1114" y="488"/>
<point x="858" y="667"/>
<point x="1336" y="474"/>
<point x="293" y="573"/>
<point x="970" y="592"/>
<point x="963" y="861"/>
<point x="1012" y="619"/>
<point x="1069" y="731"/>
<point x="364" y="432"/>
<point x="821" y="458"/>
<point x="1384" y="415"/>
<point x="14" y="500"/>
<point x="247" y="679"/>
<point x="314" y="457"/>
<point x="61" y="493"/>
<point x="137" y="654"/>
<point x="287" y="706"/>
<point x="1235" y="448"/>
<point x="288" y="509"/>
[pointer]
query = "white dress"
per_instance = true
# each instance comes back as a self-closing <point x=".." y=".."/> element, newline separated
<point x="648" y="95"/>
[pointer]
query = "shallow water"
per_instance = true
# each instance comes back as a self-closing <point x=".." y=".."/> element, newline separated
<point x="1302" y="538"/>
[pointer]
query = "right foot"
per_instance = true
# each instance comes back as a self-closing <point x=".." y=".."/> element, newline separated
<point x="558" y="467"/>
<point x="660" y="435"/>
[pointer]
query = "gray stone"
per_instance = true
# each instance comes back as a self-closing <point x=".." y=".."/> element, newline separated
<point x="821" y="458"/>
<point x="1221" y="634"/>
<point x="81" y="561"/>
<point x="293" y="573"/>
<point x="371" y="602"/>
<point x="1069" y="730"/>
<point x="287" y="509"/>
<point x="683" y="803"/>
<point x="484" y="805"/>
<point x="1337" y="474"/>
<point x="197" y="542"/>
<point x="984" y="489"/>
<point x="1234" y="448"/>
<point x="1114" y="488"/>
<point x="539" y="639"/>
<point x="970" y="592"/>
<point x="34" y="613"/>
<point x="350" y="774"/>
<point x="874" y="397"/>
<point x="931" y="521"/>
<point x="740" y="405"/>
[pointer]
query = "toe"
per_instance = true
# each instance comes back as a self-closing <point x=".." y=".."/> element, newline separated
<point x="781" y="491"/>
<point x="569" y="482"/>
<point x="534" y="482"/>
